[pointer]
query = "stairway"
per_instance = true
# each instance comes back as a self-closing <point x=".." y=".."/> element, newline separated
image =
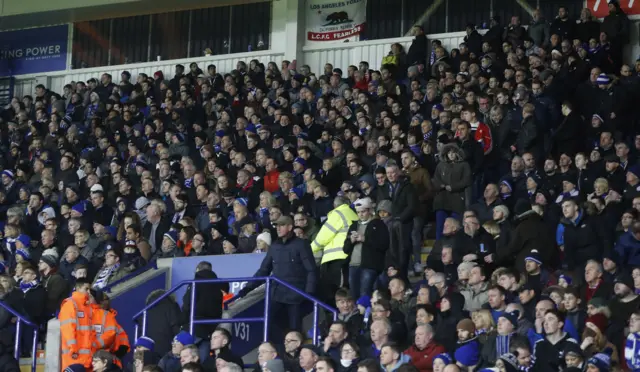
<point x="6" y="90"/>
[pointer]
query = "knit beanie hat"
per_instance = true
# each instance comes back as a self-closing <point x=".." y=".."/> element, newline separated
<point x="50" y="257"/>
<point x="534" y="256"/>
<point x="184" y="338"/>
<point x="468" y="353"/>
<point x="467" y="325"/>
<point x="146" y="342"/>
<point x="364" y="301"/>
<point x="511" y="317"/>
<point x="601" y="360"/>
<point x="446" y="358"/>
<point x="599" y="320"/>
<point x="25" y="240"/>
<point x="265" y="237"/>
<point x="172" y="235"/>
<point x="510" y="362"/>
<point x="24" y="253"/>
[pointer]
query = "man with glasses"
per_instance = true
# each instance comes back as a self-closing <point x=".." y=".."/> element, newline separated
<point x="110" y="271"/>
<point x="292" y="350"/>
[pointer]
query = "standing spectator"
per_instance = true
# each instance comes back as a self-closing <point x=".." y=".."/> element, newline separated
<point x="417" y="54"/>
<point x="54" y="283"/>
<point x="616" y="27"/>
<point x="165" y="317"/>
<point x="539" y="29"/>
<point x="451" y="180"/>
<point x="563" y="26"/>
<point x="289" y="259"/>
<point x="366" y="247"/>
<point x="208" y="301"/>
<point x="399" y="190"/>
<point x="330" y="241"/>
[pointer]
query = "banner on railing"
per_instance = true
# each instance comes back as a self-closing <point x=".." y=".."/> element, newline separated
<point x="335" y="20"/>
<point x="33" y="50"/>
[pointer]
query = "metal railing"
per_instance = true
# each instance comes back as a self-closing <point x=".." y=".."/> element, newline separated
<point x="267" y="301"/>
<point x="20" y="321"/>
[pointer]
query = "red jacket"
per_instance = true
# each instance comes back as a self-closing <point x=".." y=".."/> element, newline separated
<point x="423" y="359"/>
<point x="482" y="134"/>
<point x="271" y="181"/>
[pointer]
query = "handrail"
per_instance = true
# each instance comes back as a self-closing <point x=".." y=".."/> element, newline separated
<point x="18" y="334"/>
<point x="268" y="279"/>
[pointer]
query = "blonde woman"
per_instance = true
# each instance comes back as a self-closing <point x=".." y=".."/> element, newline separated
<point x="483" y="321"/>
<point x="267" y="200"/>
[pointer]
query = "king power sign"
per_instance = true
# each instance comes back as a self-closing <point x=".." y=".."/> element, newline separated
<point x="335" y="20"/>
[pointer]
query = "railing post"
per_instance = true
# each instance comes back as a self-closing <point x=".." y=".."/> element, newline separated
<point x="136" y="331"/>
<point x="267" y="304"/>
<point x="34" y="350"/>
<point x="192" y="311"/>
<point x="315" y="323"/>
<point x="16" y="350"/>
<point x="144" y="323"/>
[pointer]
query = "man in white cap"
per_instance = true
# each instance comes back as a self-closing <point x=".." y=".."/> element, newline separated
<point x="366" y="246"/>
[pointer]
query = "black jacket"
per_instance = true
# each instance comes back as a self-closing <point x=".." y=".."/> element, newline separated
<point x="530" y="233"/>
<point x="584" y="240"/>
<point x="208" y="303"/>
<point x="163" y="227"/>
<point x="417" y="54"/>
<point x="57" y="290"/>
<point x="403" y="199"/>
<point x="35" y="300"/>
<point x="374" y="247"/>
<point x="292" y="261"/>
<point x="163" y="321"/>
<point x="474" y="42"/>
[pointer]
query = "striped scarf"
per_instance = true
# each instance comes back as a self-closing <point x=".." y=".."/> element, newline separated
<point x="502" y="344"/>
<point x="27" y="286"/>
<point x="632" y="351"/>
<point x="103" y="276"/>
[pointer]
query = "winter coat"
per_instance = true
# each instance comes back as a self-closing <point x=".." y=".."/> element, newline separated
<point x="7" y="362"/>
<point x="529" y="138"/>
<point x="628" y="249"/>
<point x="474" y="43"/>
<point x="448" y="320"/>
<point x="292" y="261"/>
<point x="35" y="300"/>
<point x="456" y="174"/>
<point x="539" y="32"/>
<point x="423" y="359"/>
<point x="57" y="290"/>
<point x="374" y="247"/>
<point x="163" y="321"/>
<point x="208" y="303"/>
<point x="404" y="200"/>
<point x="417" y="54"/>
<point x="530" y="233"/>
<point x="584" y="240"/>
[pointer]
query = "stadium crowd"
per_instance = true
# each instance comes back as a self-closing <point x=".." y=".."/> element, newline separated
<point x="518" y="151"/>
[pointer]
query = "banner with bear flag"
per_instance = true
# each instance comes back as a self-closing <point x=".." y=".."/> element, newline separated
<point x="335" y="20"/>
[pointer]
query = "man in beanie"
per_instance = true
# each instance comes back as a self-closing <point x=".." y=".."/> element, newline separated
<point x="625" y="302"/>
<point x="600" y="362"/>
<point x="54" y="283"/>
<point x="498" y="343"/>
<point x="467" y="352"/>
<point x="171" y="361"/>
<point x="548" y="350"/>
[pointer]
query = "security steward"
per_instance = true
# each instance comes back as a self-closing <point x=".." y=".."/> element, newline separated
<point x="330" y="241"/>
<point x="77" y="337"/>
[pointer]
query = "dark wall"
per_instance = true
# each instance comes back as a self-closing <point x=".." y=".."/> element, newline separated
<point x="171" y="35"/>
<point x="393" y="18"/>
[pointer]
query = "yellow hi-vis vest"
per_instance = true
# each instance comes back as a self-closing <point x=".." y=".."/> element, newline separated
<point x="333" y="233"/>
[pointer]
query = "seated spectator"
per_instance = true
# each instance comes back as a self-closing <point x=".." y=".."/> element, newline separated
<point x="110" y="271"/>
<point x="69" y="260"/>
<point x="391" y="357"/>
<point x="170" y="362"/>
<point x="424" y="348"/>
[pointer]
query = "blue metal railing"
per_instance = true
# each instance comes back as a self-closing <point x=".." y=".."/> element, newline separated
<point x="22" y="319"/>
<point x="267" y="301"/>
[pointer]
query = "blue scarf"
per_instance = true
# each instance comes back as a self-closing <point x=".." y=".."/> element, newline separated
<point x="188" y="183"/>
<point x="502" y="344"/>
<point x="27" y="286"/>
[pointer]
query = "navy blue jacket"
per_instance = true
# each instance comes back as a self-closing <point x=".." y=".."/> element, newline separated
<point x="292" y="261"/>
<point x="628" y="249"/>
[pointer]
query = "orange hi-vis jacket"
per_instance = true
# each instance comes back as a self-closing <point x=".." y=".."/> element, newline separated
<point x="76" y="331"/>
<point x="121" y="340"/>
<point x="105" y="327"/>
